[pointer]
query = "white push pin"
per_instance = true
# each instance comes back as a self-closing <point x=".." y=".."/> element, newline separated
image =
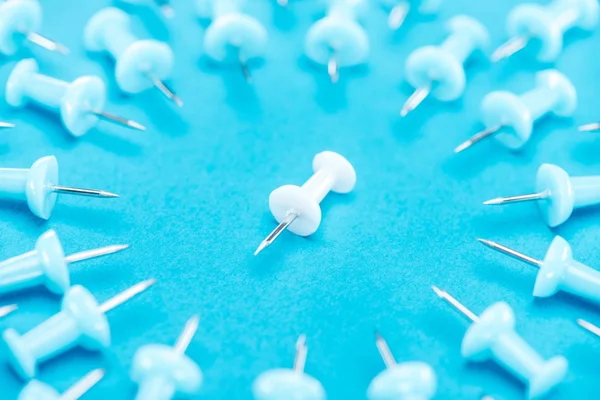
<point x="297" y="207"/>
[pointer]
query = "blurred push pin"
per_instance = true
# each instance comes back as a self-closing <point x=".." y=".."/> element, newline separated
<point x="296" y="208"/>
<point x="557" y="194"/>
<point x="492" y="335"/>
<point x="232" y="35"/>
<point x="285" y="383"/>
<point x="338" y="40"/>
<point x="80" y="103"/>
<point x="46" y="265"/>
<point x="509" y="118"/>
<point x="164" y="371"/>
<point x="439" y="70"/>
<point x="588" y="326"/>
<point x="165" y="6"/>
<point x="39" y="185"/>
<point x="558" y="271"/>
<point x="36" y="390"/>
<point x="20" y="21"/>
<point x="81" y="321"/>
<point x="547" y="24"/>
<point x="140" y="64"/>
<point x="409" y="380"/>
<point x="399" y="9"/>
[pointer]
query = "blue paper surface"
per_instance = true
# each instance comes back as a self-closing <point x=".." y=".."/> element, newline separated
<point x="194" y="205"/>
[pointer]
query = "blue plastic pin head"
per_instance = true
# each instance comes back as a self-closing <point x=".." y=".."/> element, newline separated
<point x="439" y="70"/>
<point x="45" y="265"/>
<point x="36" y="390"/>
<point x="412" y="380"/>
<point x="79" y="103"/>
<point x="338" y="40"/>
<point x="81" y="322"/>
<point x="558" y="271"/>
<point x="140" y="64"/>
<point x="547" y="24"/>
<point x="39" y="186"/>
<point x="557" y="194"/>
<point x="20" y="22"/>
<point x="510" y="118"/>
<point x="492" y="335"/>
<point x="399" y="9"/>
<point x="285" y="383"/>
<point x="163" y="372"/>
<point x="232" y="35"/>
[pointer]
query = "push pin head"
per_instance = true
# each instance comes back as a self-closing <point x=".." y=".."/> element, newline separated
<point x="235" y="34"/>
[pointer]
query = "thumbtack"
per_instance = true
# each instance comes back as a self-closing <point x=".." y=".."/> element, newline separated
<point x="36" y="390"/>
<point x="5" y="310"/>
<point x="46" y="265"/>
<point x="588" y="326"/>
<point x="296" y="208"/>
<point x="286" y="383"/>
<point x="493" y="335"/>
<point x="140" y="64"/>
<point x="439" y="70"/>
<point x="81" y="321"/>
<point x="509" y="118"/>
<point x="80" y="103"/>
<point x="399" y="9"/>
<point x="232" y="35"/>
<point x="39" y="185"/>
<point x="338" y="40"/>
<point x="557" y="194"/>
<point x="20" y="21"/>
<point x="547" y="24"/>
<point x="408" y="380"/>
<point x="558" y="270"/>
<point x="163" y="371"/>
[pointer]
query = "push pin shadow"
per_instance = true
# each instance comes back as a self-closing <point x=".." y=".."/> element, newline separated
<point x="285" y="383"/>
<point x="20" y="21"/>
<point x="36" y="390"/>
<point x="338" y="40"/>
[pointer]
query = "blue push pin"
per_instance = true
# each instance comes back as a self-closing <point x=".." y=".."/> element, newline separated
<point x="36" y="390"/>
<point x="285" y="383"/>
<point x="509" y="118"/>
<point x="558" y="271"/>
<point x="557" y="194"/>
<point x="407" y="381"/>
<point x="164" y="371"/>
<point x="81" y="321"/>
<point x="232" y="35"/>
<point x="547" y="24"/>
<point x="399" y="9"/>
<point x="492" y="335"/>
<point x="80" y="103"/>
<point x="165" y="6"/>
<point x="338" y="40"/>
<point x="39" y="185"/>
<point x="46" y="265"/>
<point x="140" y="64"/>
<point x="20" y="21"/>
<point x="439" y="70"/>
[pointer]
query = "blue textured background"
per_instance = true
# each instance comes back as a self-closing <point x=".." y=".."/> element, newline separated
<point x="193" y="205"/>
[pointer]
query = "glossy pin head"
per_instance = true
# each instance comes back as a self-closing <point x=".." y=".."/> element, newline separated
<point x="548" y="24"/>
<point x="285" y="383"/>
<point x="36" y="390"/>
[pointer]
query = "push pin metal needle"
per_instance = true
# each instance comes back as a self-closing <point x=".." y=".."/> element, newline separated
<point x="548" y="24"/>
<point x="338" y="40"/>
<point x="231" y="32"/>
<point x="166" y="8"/>
<point x="5" y="310"/>
<point x="439" y="70"/>
<point x="557" y="271"/>
<point x="168" y="368"/>
<point x="408" y="380"/>
<point x="297" y="208"/>
<point x="20" y="21"/>
<point x="46" y="265"/>
<point x="81" y="321"/>
<point x="140" y="64"/>
<point x="590" y="127"/>
<point x="36" y="390"/>
<point x="399" y="9"/>
<point x="6" y="125"/>
<point x="286" y="383"/>
<point x="589" y="327"/>
<point x="492" y="336"/>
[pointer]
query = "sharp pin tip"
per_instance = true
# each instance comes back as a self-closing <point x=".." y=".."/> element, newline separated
<point x="261" y="247"/>
<point x="108" y="194"/>
<point x="438" y="291"/>
<point x="493" y="202"/>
